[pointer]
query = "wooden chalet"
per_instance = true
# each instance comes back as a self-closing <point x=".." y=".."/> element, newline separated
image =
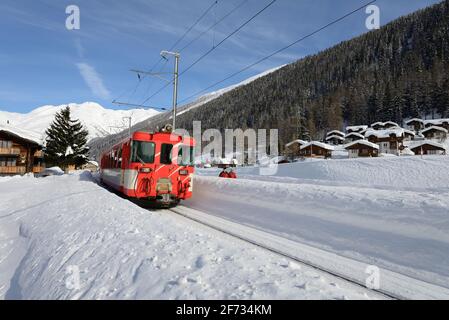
<point x="390" y="141"/>
<point x="335" y="139"/>
<point x="442" y="123"/>
<point x="316" y="149"/>
<point x="21" y="152"/>
<point x="435" y="132"/>
<point x="415" y="124"/>
<point x="377" y="126"/>
<point x="357" y="129"/>
<point x="427" y="147"/>
<point x="362" y="148"/>
<point x="292" y="149"/>
<point x="354" y="136"/>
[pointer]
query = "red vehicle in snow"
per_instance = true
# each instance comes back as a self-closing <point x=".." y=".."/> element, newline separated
<point x="151" y="167"/>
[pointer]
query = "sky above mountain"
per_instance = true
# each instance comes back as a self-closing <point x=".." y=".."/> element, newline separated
<point x="41" y="62"/>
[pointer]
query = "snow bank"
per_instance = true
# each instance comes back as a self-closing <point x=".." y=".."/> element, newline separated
<point x="62" y="228"/>
<point x="391" y="172"/>
<point x="391" y="212"/>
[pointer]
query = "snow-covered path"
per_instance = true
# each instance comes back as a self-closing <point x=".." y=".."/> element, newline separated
<point x="54" y="227"/>
<point x="393" y="213"/>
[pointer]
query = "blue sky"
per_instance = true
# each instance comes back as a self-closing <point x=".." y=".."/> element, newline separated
<point x="41" y="62"/>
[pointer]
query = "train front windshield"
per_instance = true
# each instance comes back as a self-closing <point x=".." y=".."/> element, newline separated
<point x="143" y="152"/>
<point x="186" y="155"/>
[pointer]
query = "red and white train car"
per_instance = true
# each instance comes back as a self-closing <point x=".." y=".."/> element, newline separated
<point x="155" y="167"/>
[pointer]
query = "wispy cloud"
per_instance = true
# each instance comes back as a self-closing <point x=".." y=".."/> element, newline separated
<point x="93" y="80"/>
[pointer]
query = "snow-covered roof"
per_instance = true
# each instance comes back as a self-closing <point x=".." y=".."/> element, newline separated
<point x="409" y="132"/>
<point x="434" y="128"/>
<point x="24" y="134"/>
<point x="299" y="141"/>
<point x="436" y="121"/>
<point x="318" y="144"/>
<point x="335" y="132"/>
<point x="377" y="124"/>
<point x="384" y="124"/>
<point x="414" y="120"/>
<point x="335" y="137"/>
<point x="357" y="128"/>
<point x="355" y="134"/>
<point x="364" y="142"/>
<point x="385" y="133"/>
<point x="394" y="124"/>
<point x="418" y="144"/>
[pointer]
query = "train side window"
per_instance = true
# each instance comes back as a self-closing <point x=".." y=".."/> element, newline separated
<point x="166" y="153"/>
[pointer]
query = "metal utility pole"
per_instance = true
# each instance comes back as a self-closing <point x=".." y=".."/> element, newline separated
<point x="129" y="124"/>
<point x="175" y="82"/>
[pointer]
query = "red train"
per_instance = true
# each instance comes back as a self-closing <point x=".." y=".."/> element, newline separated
<point x="151" y="167"/>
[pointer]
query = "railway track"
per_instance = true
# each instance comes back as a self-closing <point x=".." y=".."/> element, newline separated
<point x="392" y="285"/>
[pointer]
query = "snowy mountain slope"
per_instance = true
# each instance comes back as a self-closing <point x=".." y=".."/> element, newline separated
<point x="58" y="229"/>
<point x="98" y="120"/>
<point x="216" y="94"/>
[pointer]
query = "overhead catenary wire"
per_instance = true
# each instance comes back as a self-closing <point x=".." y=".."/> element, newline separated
<point x="141" y="78"/>
<point x="213" y="26"/>
<point x="280" y="50"/>
<point x="213" y="48"/>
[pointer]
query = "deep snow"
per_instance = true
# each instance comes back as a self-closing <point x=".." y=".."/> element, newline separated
<point x="390" y="212"/>
<point x="50" y="227"/>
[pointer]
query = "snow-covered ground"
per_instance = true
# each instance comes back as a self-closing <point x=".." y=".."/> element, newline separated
<point x="389" y="212"/>
<point x="52" y="228"/>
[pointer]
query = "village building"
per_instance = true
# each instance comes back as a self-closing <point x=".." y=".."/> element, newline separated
<point x="354" y="136"/>
<point x="390" y="125"/>
<point x="316" y="149"/>
<point x="335" y="139"/>
<point x="362" y="148"/>
<point x="415" y="124"/>
<point x="436" y="133"/>
<point x="390" y="141"/>
<point x="409" y="135"/>
<point x="427" y="147"/>
<point x="20" y="151"/>
<point x="335" y="133"/>
<point x="293" y="149"/>
<point x="92" y="166"/>
<point x="443" y="123"/>
<point x="357" y="129"/>
<point x="377" y="126"/>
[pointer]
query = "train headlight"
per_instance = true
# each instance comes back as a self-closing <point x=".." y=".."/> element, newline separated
<point x="145" y="170"/>
<point x="183" y="172"/>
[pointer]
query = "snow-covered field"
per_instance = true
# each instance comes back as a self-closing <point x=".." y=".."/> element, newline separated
<point x="51" y="228"/>
<point x="389" y="212"/>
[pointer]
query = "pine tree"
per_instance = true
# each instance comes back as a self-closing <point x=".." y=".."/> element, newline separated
<point x="66" y="141"/>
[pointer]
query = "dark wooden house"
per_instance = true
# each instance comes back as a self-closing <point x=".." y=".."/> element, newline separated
<point x="316" y="149"/>
<point x="362" y="148"/>
<point x="20" y="152"/>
